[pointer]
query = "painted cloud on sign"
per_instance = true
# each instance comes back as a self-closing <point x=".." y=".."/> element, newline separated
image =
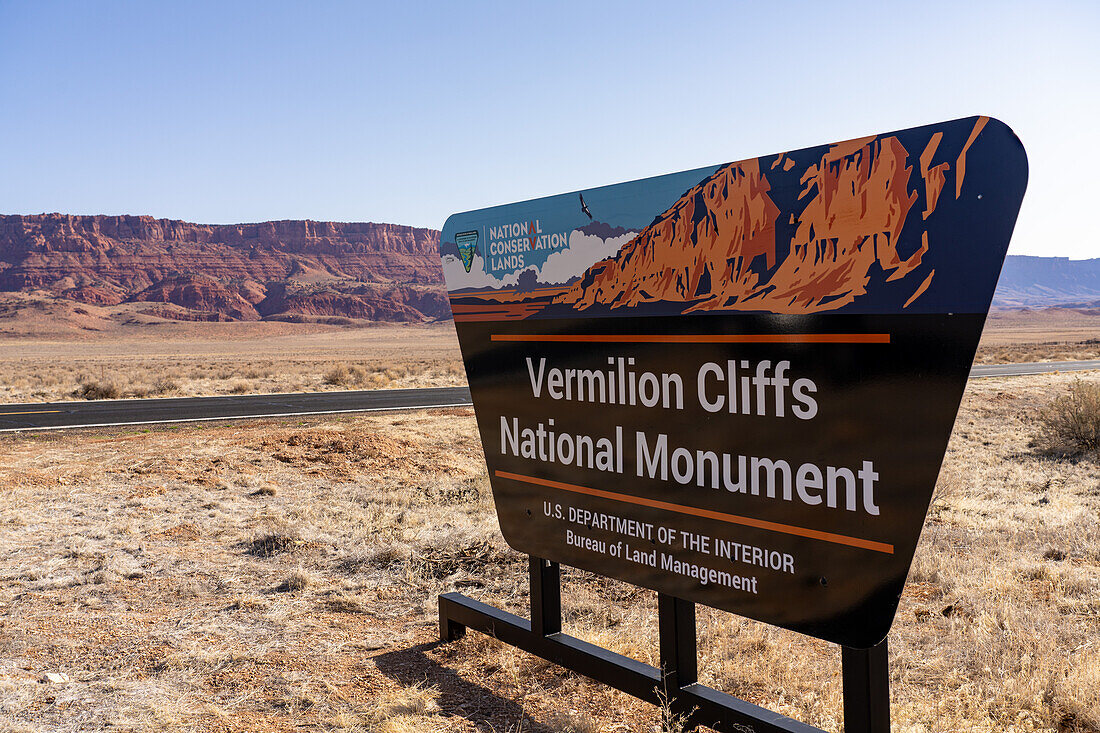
<point x="584" y="250"/>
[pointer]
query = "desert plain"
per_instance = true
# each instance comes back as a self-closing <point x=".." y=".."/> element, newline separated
<point x="279" y="575"/>
<point x="49" y="352"/>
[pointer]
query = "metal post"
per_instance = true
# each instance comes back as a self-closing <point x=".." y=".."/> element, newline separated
<point x="866" y="675"/>
<point x="679" y="658"/>
<point x="690" y="704"/>
<point x="449" y="629"/>
<point x="545" y="596"/>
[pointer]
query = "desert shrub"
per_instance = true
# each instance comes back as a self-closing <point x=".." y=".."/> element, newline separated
<point x="299" y="580"/>
<point x="273" y="544"/>
<point x="241" y="388"/>
<point x="1070" y="425"/>
<point x="343" y="375"/>
<point x="338" y="375"/>
<point x="165" y="385"/>
<point x="95" y="390"/>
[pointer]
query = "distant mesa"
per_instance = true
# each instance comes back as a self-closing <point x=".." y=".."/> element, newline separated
<point x="1031" y="282"/>
<point x="242" y="272"/>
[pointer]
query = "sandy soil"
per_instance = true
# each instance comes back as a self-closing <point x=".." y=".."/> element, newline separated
<point x="1051" y="334"/>
<point x="282" y="575"/>
<point x="231" y="358"/>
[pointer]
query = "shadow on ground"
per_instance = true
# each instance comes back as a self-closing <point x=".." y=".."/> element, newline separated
<point x="458" y="697"/>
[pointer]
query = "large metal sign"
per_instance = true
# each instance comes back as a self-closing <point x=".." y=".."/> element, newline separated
<point x="735" y="385"/>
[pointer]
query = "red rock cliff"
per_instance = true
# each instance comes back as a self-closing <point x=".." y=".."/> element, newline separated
<point x="227" y="269"/>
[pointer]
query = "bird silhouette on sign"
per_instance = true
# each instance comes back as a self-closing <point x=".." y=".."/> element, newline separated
<point x="584" y="206"/>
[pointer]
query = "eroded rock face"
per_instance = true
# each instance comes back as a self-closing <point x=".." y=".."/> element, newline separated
<point x="377" y="303"/>
<point x="236" y="271"/>
<point x="716" y="248"/>
<point x="709" y="238"/>
<point x="200" y="293"/>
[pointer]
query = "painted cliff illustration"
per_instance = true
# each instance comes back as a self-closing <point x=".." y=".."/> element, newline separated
<point x="854" y="225"/>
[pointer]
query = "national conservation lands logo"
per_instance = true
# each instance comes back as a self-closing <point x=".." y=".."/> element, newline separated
<point x="467" y="245"/>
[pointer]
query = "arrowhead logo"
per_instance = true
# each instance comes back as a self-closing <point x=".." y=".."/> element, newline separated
<point x="467" y="245"/>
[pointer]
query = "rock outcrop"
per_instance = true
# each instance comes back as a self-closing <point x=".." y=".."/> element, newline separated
<point x="200" y="293"/>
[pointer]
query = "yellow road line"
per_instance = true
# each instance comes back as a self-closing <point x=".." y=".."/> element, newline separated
<point x="31" y="412"/>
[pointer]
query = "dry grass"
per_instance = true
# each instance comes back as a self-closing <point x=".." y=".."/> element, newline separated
<point x="1040" y="351"/>
<point x="283" y="575"/>
<point x="226" y="358"/>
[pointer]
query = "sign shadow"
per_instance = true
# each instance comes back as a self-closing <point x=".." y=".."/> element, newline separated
<point x="458" y="696"/>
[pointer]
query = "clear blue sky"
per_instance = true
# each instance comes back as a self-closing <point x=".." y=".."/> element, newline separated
<point x="406" y="112"/>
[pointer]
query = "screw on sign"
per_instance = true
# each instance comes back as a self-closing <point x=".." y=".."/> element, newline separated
<point x="734" y="386"/>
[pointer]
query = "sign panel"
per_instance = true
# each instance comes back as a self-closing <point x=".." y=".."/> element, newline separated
<point x="735" y="385"/>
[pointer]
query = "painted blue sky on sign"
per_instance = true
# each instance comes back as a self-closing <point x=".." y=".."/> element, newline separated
<point x="573" y="241"/>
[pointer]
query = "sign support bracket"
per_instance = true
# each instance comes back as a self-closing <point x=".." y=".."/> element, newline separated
<point x="545" y="596"/>
<point x="675" y="685"/>
<point x="866" y="675"/>
<point x="679" y="654"/>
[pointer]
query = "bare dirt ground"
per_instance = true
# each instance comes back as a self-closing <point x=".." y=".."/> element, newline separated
<point x="282" y="575"/>
<point x="1048" y="334"/>
<point x="173" y="359"/>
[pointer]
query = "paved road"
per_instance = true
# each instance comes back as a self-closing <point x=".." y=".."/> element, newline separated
<point x="55" y="415"/>
<point x="1038" y="367"/>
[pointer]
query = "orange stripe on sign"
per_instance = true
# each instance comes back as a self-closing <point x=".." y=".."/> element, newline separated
<point x="687" y="338"/>
<point x="813" y="534"/>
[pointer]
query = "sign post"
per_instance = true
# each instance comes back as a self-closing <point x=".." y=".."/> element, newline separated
<point x="734" y="386"/>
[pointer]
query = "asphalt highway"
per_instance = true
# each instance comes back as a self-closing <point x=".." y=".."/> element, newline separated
<point x="1038" y="367"/>
<point x="101" y="413"/>
<point x="56" y="415"/>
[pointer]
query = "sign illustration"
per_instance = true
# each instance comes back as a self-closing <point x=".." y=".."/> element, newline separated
<point x="735" y="385"/>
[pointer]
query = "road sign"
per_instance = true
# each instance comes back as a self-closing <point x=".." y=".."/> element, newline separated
<point x="735" y="385"/>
